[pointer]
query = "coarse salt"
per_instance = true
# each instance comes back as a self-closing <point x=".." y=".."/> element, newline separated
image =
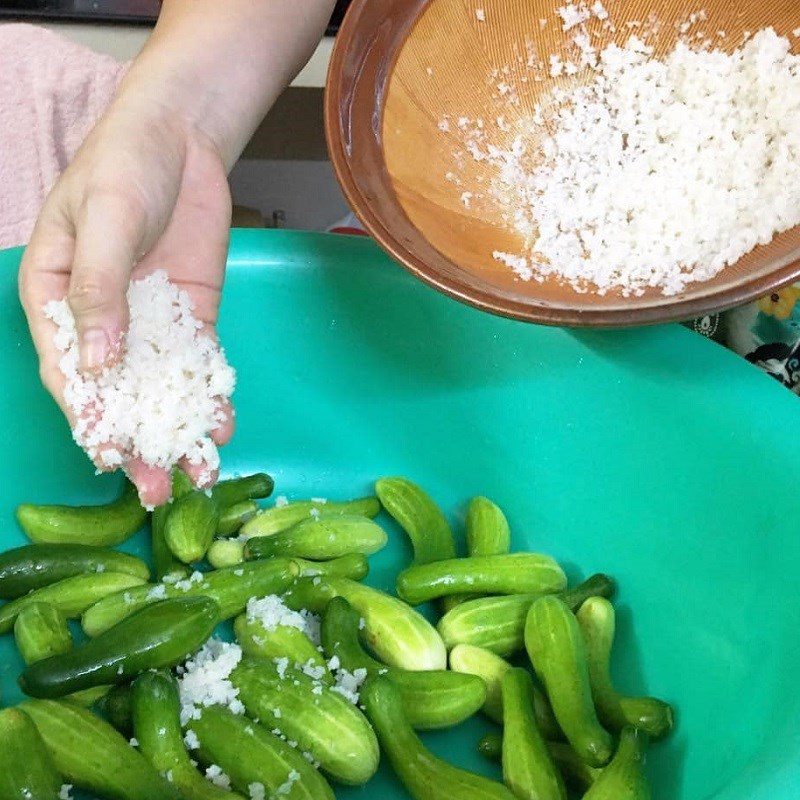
<point x="480" y="15"/>
<point x="215" y="774"/>
<point x="205" y="680"/>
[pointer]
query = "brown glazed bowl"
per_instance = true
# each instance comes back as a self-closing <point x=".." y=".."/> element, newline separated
<point x="400" y="66"/>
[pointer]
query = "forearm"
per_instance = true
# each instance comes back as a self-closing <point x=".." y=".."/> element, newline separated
<point x="221" y="66"/>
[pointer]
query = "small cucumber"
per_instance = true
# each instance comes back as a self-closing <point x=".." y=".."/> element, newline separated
<point x="528" y="769"/>
<point x="190" y="526"/>
<point x="557" y="651"/>
<point x="231" y="587"/>
<point x="91" y="755"/>
<point x="655" y="717"/>
<point x="233" y="491"/>
<point x="396" y="633"/>
<point x="225" y="553"/>
<point x="322" y="539"/>
<point x="233" y="517"/>
<point x="279" y="641"/>
<point x="157" y="636"/>
<point x="420" y="517"/>
<point x="165" y="563"/>
<point x="116" y="705"/>
<point x="156" y="724"/>
<point x="88" y="697"/>
<point x="431" y="699"/>
<point x="498" y="623"/>
<point x="102" y="526"/>
<point x="488" y="534"/>
<point x="512" y="573"/>
<point x="623" y="778"/>
<point x="34" y="566"/>
<point x="491" y="668"/>
<point x="71" y="597"/>
<point x="254" y="759"/>
<point x="26" y="769"/>
<point x="425" y="776"/>
<point x="321" y="721"/>
<point x="354" y="566"/>
<point x="280" y="518"/>
<point x="41" y="631"/>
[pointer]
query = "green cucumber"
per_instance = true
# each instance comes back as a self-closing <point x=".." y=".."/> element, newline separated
<point x="322" y="539"/>
<point x="279" y="641"/>
<point x="34" y="566"/>
<point x="233" y="491"/>
<point x="41" y="631"/>
<point x="88" y="697"/>
<point x="528" y="769"/>
<point x="157" y="636"/>
<point x="322" y="722"/>
<point x="102" y="526"/>
<point x="491" y="668"/>
<point x="233" y="517"/>
<point x="655" y="717"/>
<point x="419" y="516"/>
<point x="353" y="566"/>
<point x="396" y="633"/>
<point x="511" y="573"/>
<point x="431" y="699"/>
<point x="252" y="757"/>
<point x="164" y="562"/>
<point x="156" y="708"/>
<point x="425" y="776"/>
<point x="190" y="526"/>
<point x="557" y="651"/>
<point x="91" y="755"/>
<point x="26" y="769"/>
<point x="231" y="587"/>
<point x="225" y="553"/>
<point x="498" y="623"/>
<point x="280" y="518"/>
<point x="623" y="778"/>
<point x="116" y="706"/>
<point x="71" y="596"/>
<point x="488" y="534"/>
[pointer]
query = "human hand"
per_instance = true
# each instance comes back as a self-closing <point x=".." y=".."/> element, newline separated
<point x="147" y="190"/>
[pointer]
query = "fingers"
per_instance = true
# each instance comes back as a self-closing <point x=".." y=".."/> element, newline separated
<point x="223" y="433"/>
<point x="154" y="484"/>
<point x="199" y="474"/>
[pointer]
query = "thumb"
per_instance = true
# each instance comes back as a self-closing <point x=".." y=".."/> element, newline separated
<point x="108" y="241"/>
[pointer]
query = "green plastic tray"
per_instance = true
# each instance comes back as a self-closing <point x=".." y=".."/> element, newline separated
<point x="653" y="455"/>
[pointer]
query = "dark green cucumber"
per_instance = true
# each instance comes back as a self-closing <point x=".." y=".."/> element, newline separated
<point x="280" y="518"/>
<point x="425" y="776"/>
<point x="279" y="641"/>
<point x="116" y="706"/>
<point x="102" y="526"/>
<point x="156" y="636"/>
<point x="232" y="491"/>
<point x="431" y="699"/>
<point x="156" y="724"/>
<point x="305" y="710"/>
<point x="231" y="587"/>
<point x="41" y="631"/>
<point x="396" y="633"/>
<point x="321" y="539"/>
<point x="491" y="668"/>
<point x="190" y="526"/>
<point x="655" y="717"/>
<point x="233" y="517"/>
<point x="71" y="597"/>
<point x="623" y="778"/>
<point x="165" y="563"/>
<point x="498" y="623"/>
<point x="34" y="566"/>
<point x="225" y="553"/>
<point x="528" y="769"/>
<point x="249" y="754"/>
<point x="511" y="573"/>
<point x="419" y="516"/>
<point x="91" y="755"/>
<point x="26" y="770"/>
<point x="557" y="651"/>
<point x="353" y="566"/>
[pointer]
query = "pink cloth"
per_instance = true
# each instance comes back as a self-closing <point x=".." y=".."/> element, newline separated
<point x="51" y="93"/>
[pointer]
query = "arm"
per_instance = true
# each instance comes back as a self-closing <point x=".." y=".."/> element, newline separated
<point x="148" y="187"/>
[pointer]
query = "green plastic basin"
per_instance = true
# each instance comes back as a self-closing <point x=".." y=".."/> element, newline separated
<point x="653" y="455"/>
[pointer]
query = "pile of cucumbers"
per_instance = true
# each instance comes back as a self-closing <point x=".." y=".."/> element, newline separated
<point x="106" y="713"/>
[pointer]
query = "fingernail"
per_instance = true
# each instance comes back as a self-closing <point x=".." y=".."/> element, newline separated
<point x="94" y="349"/>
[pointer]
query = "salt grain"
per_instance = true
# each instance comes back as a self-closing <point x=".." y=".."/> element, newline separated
<point x="205" y="680"/>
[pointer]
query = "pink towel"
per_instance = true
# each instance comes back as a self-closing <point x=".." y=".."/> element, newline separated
<point x="51" y="93"/>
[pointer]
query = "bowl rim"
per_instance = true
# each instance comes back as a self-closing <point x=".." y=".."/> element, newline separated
<point x="742" y="292"/>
